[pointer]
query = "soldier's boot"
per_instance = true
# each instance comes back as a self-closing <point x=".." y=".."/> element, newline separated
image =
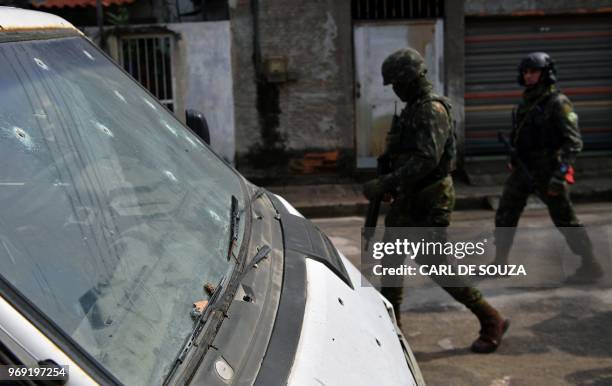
<point x="589" y="272"/>
<point x="492" y="328"/>
<point x="394" y="296"/>
<point x="501" y="258"/>
<point x="503" y="243"/>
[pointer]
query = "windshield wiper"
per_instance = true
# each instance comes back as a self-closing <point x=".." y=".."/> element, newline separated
<point x="197" y="329"/>
<point x="212" y="306"/>
<point x="258" y="193"/>
<point x="233" y="228"/>
<point x="261" y="254"/>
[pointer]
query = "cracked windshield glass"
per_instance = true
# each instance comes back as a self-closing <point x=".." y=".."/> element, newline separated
<point x="114" y="215"/>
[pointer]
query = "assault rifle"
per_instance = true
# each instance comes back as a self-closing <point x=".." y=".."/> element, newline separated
<point x="514" y="158"/>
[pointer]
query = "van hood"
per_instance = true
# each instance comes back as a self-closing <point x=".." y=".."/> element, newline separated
<point x="347" y="334"/>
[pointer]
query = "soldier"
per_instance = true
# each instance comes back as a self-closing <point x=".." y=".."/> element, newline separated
<point x="546" y="139"/>
<point x="421" y="148"/>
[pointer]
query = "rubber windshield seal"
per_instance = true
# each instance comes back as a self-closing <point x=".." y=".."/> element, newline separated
<point x="280" y="355"/>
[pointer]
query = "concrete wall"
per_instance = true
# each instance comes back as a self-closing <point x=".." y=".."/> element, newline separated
<point x="204" y="79"/>
<point x="313" y="112"/>
<point x="202" y="74"/>
<point x="534" y="7"/>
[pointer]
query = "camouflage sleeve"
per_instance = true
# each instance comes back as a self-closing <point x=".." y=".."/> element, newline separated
<point x="432" y="130"/>
<point x="566" y="120"/>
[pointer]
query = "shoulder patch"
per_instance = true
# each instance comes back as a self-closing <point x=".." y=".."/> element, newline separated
<point x="567" y="111"/>
<point x="439" y="107"/>
<point x="573" y="118"/>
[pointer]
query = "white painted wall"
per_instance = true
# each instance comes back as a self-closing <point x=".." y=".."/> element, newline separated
<point x="204" y="79"/>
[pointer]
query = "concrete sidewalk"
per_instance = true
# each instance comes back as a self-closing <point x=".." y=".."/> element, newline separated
<point x="337" y="200"/>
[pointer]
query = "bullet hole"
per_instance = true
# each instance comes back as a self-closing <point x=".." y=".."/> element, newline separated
<point x="170" y="128"/>
<point x="41" y="64"/>
<point x="378" y="343"/>
<point x="247" y="298"/>
<point x="118" y="94"/>
<point x="170" y="176"/>
<point x="340" y="301"/>
<point x="102" y="128"/>
<point x="151" y="105"/>
<point x="191" y="141"/>
<point x="89" y="56"/>
<point x="24" y="138"/>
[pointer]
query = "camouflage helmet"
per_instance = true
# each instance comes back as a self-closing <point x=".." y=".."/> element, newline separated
<point x="405" y="64"/>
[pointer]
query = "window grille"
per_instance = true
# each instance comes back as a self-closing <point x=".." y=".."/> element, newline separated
<point x="397" y="9"/>
<point x="148" y="58"/>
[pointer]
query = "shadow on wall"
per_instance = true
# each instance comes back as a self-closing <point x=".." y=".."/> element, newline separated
<point x="271" y="151"/>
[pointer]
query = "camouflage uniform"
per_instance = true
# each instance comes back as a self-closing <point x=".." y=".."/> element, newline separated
<point x="546" y="137"/>
<point x="422" y="149"/>
<point x="422" y="152"/>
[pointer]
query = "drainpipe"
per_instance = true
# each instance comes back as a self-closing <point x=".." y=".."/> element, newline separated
<point x="256" y="40"/>
<point x="100" y="19"/>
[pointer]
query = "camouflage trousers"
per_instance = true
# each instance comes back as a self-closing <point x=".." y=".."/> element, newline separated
<point x="517" y="189"/>
<point x="429" y="208"/>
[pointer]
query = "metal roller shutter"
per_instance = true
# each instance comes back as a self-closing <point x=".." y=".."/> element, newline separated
<point x="580" y="45"/>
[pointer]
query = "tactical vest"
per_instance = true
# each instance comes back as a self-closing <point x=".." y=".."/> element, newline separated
<point x="448" y="160"/>
<point x="535" y="132"/>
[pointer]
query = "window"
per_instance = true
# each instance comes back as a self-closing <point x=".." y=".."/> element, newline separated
<point x="148" y="58"/>
<point x="397" y="9"/>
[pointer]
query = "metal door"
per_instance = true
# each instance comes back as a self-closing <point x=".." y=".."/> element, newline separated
<point x="375" y="104"/>
<point x="581" y="46"/>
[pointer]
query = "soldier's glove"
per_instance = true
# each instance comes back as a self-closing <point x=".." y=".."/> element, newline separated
<point x="556" y="185"/>
<point x="563" y="176"/>
<point x="378" y="187"/>
<point x="372" y="189"/>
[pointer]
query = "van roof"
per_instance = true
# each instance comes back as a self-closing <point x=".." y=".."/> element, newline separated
<point x="16" y="19"/>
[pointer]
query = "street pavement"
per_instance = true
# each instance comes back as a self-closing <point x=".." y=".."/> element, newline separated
<point x="558" y="336"/>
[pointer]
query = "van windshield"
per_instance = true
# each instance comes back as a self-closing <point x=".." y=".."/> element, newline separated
<point x="112" y="214"/>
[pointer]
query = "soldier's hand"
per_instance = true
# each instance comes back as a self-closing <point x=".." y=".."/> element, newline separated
<point x="373" y="188"/>
<point x="387" y="197"/>
<point x="556" y="185"/>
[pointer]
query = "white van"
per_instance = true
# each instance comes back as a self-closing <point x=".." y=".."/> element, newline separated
<point x="132" y="254"/>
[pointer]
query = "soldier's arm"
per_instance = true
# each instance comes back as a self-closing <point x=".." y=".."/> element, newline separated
<point x="515" y="124"/>
<point x="433" y="128"/>
<point x="566" y="120"/>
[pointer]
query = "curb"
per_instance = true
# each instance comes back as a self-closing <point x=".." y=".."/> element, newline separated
<point x="464" y="202"/>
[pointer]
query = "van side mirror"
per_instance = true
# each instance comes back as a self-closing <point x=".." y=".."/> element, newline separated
<point x="196" y="122"/>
